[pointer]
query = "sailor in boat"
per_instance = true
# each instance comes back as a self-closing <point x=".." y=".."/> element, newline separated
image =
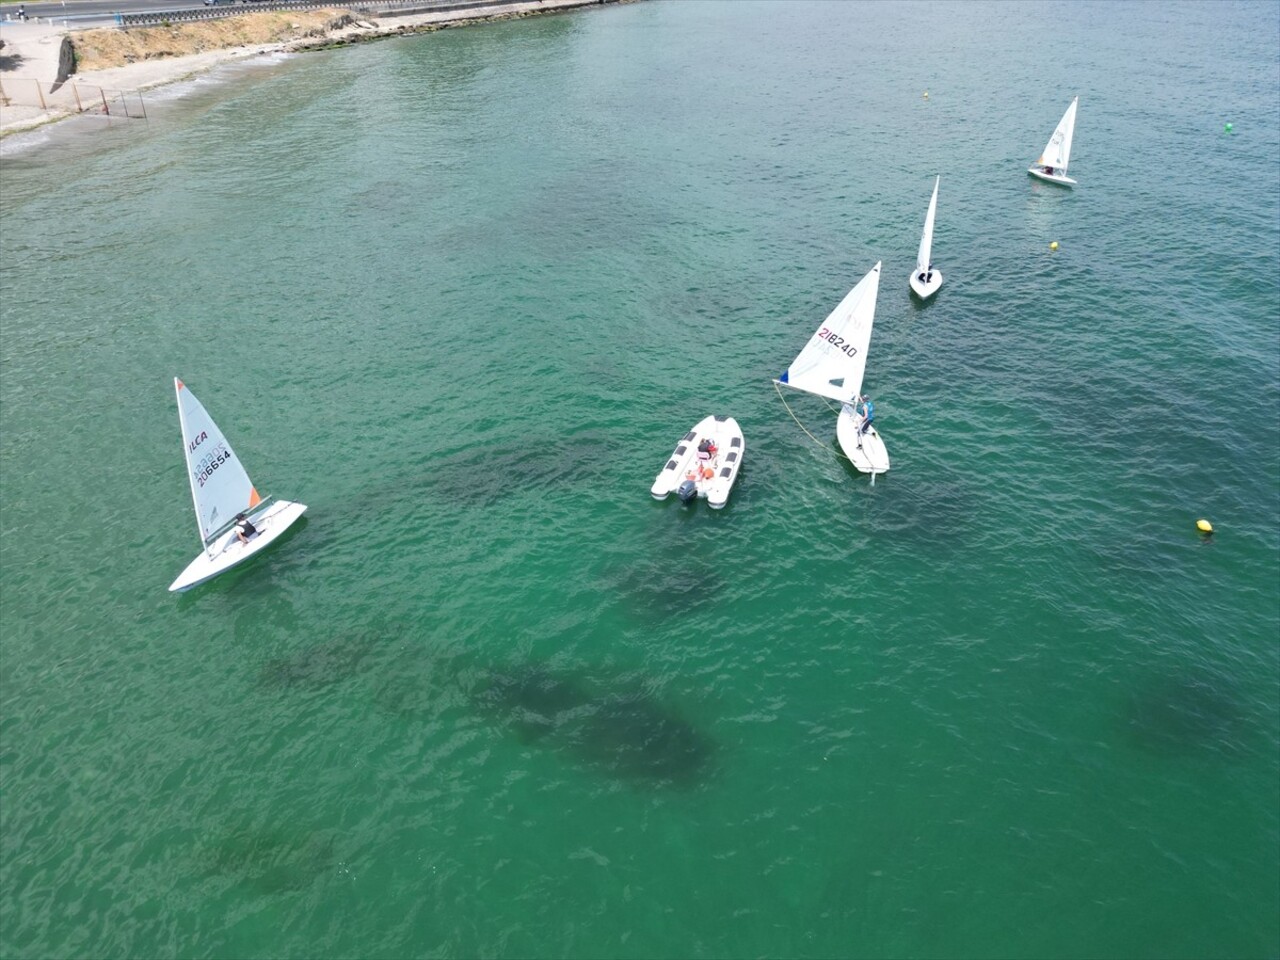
<point x="244" y="529"/>
<point x="1049" y="171"/>
<point x="867" y="410"/>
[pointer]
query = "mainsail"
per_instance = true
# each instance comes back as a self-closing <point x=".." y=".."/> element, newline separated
<point x="833" y="361"/>
<point x="1058" y="151"/>
<point x="926" y="239"/>
<point x="220" y="486"/>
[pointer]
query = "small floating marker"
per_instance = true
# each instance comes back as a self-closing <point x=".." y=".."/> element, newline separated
<point x="1204" y="526"/>
<point x="926" y="96"/>
<point x="1054" y="245"/>
<point x="1226" y="129"/>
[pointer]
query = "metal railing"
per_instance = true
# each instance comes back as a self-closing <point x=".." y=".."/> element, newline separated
<point x="217" y="11"/>
<point x="70" y="97"/>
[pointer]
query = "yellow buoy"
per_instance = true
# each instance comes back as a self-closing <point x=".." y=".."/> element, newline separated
<point x="1204" y="526"/>
<point x="926" y="96"/>
<point x="1054" y="245"/>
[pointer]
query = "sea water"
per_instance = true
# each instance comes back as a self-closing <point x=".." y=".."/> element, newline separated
<point x="460" y="294"/>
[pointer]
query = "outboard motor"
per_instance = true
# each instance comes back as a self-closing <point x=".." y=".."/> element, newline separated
<point x="687" y="491"/>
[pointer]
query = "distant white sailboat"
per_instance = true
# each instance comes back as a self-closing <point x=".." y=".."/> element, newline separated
<point x="223" y="492"/>
<point x="925" y="280"/>
<point x="832" y="365"/>
<point x="1052" y="165"/>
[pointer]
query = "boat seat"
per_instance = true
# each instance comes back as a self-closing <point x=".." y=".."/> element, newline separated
<point x="730" y="458"/>
<point x="735" y="442"/>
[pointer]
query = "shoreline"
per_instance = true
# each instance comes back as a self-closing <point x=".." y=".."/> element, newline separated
<point x="137" y="78"/>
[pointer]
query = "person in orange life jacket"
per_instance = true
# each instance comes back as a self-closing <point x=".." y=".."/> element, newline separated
<point x="244" y="529"/>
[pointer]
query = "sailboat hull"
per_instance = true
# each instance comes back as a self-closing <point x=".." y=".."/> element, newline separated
<point x="1060" y="179"/>
<point x="866" y="450"/>
<point x="227" y="551"/>
<point x="924" y="289"/>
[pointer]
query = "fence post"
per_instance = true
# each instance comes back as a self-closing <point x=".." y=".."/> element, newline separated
<point x="76" y="93"/>
<point x="103" y="94"/>
<point x="40" y="94"/>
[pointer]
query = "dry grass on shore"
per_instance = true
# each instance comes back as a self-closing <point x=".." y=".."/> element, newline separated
<point x="101" y="49"/>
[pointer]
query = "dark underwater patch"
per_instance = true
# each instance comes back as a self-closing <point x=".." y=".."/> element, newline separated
<point x="614" y="728"/>
<point x="939" y="514"/>
<point x="483" y="476"/>
<point x="319" y="665"/>
<point x="663" y="588"/>
<point x="271" y="862"/>
<point x="1184" y="714"/>
<point x="634" y="737"/>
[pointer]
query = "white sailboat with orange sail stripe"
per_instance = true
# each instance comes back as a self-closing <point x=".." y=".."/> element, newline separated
<point x="223" y="494"/>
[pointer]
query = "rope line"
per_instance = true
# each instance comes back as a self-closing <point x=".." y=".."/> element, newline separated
<point x="802" y="426"/>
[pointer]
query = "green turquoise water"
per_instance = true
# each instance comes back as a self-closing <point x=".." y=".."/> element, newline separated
<point x="460" y="294"/>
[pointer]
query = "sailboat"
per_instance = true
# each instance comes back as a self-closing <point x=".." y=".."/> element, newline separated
<point x="832" y="364"/>
<point x="222" y="491"/>
<point x="925" y="280"/>
<point x="1052" y="165"/>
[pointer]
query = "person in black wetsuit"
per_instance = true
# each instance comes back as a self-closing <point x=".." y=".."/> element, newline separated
<point x="244" y="529"/>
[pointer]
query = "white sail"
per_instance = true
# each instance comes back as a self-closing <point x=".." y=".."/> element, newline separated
<point x="1058" y="151"/>
<point x="833" y="361"/>
<point x="220" y="486"/>
<point x="926" y="239"/>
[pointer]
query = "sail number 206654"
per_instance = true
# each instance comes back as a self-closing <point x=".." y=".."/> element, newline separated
<point x="211" y="463"/>
<point x="840" y="343"/>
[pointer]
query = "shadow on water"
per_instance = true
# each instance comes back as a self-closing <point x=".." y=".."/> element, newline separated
<point x="1183" y="714"/>
<point x="270" y="862"/>
<point x="615" y="728"/>
<point x="319" y="665"/>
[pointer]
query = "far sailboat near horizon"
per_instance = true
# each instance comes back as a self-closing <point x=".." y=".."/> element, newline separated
<point x="832" y="365"/>
<point x="925" y="280"/>
<point x="223" y="494"/>
<point x="1052" y="165"/>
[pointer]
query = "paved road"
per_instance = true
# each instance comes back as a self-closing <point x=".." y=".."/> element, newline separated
<point x="77" y="9"/>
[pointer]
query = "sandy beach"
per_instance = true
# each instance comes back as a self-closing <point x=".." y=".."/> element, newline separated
<point x="31" y="50"/>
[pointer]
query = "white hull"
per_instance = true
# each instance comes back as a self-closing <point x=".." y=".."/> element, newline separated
<point x="683" y="463"/>
<point x="227" y="551"/>
<point x="1061" y="179"/>
<point x="866" y="450"/>
<point x="924" y="289"/>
